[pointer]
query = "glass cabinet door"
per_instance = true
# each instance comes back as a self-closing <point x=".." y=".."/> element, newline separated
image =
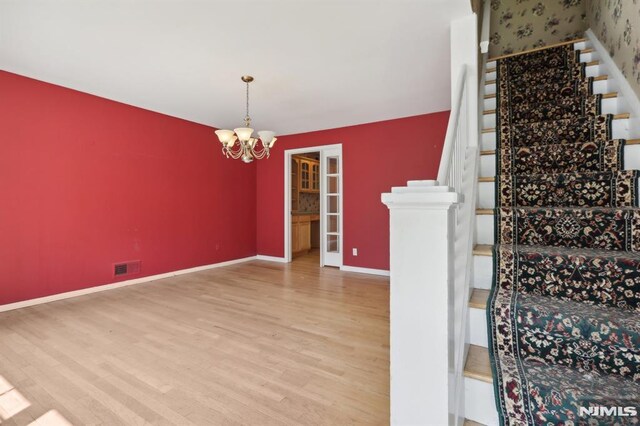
<point x="315" y="176"/>
<point x="305" y="176"/>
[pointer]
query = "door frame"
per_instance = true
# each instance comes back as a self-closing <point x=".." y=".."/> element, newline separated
<point x="288" y="153"/>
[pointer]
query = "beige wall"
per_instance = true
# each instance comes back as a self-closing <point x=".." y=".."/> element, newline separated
<point x="518" y="25"/>
<point x="616" y="23"/>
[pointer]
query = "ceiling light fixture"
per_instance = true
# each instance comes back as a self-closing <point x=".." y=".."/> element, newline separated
<point x="246" y="146"/>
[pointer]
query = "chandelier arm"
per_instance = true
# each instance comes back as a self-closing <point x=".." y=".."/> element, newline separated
<point x="260" y="154"/>
<point x="237" y="153"/>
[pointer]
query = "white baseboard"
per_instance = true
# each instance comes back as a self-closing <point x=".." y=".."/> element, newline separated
<point x="271" y="258"/>
<point x="105" y="287"/>
<point x="96" y="289"/>
<point x="382" y="272"/>
<point x="626" y="92"/>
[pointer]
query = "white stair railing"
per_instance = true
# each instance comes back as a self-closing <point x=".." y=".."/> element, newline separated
<point x="431" y="242"/>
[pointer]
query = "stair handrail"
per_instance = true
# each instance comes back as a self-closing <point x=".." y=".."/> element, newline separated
<point x="486" y="21"/>
<point x="452" y="129"/>
<point x="458" y="170"/>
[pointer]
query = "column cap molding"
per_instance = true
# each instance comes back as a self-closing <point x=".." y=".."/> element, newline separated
<point x="427" y="195"/>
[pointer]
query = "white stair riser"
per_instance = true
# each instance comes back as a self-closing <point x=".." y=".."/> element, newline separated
<point x="485" y="225"/>
<point x="619" y="130"/>
<point x="482" y="272"/>
<point x="595" y="70"/>
<point x="478" y="327"/>
<point x="631" y="161"/>
<point x="487" y="194"/>
<point x="582" y="45"/>
<point x="480" y="404"/>
<point x="608" y="106"/>
<point x="484" y="229"/>
<point x="590" y="70"/>
<point x="589" y="57"/>
<point x="599" y="87"/>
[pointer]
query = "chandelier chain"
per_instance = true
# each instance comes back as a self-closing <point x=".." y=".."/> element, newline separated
<point x="247" y="119"/>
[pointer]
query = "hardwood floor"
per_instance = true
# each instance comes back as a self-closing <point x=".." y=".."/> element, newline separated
<point x="255" y="343"/>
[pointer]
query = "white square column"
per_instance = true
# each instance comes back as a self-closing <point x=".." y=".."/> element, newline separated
<point x="422" y="364"/>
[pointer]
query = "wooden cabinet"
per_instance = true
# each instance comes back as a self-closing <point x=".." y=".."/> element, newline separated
<point x="295" y="237"/>
<point x="305" y="175"/>
<point x="309" y="175"/>
<point x="315" y="176"/>
<point x="295" y="184"/>
<point x="304" y="236"/>
<point x="301" y="232"/>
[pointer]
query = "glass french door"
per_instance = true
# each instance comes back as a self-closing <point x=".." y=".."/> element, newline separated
<point x="331" y="207"/>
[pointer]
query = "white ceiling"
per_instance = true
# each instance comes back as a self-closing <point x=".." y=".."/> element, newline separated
<point x="318" y="64"/>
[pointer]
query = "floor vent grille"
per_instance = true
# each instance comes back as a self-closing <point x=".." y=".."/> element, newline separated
<point x="126" y="268"/>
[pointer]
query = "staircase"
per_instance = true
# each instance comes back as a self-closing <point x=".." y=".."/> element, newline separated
<point x="567" y="201"/>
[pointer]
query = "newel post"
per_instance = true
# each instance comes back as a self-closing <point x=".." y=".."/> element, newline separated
<point x="421" y="246"/>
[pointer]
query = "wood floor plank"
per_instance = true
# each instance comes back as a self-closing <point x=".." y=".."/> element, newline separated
<point x="252" y="343"/>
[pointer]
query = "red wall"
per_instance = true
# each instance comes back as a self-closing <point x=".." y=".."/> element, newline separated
<point x="376" y="157"/>
<point x="86" y="182"/>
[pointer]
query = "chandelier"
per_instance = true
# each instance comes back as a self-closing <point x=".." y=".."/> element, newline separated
<point x="246" y="146"/>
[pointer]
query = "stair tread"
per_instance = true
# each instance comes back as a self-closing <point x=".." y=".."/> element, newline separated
<point x="479" y="298"/>
<point x="468" y="422"/>
<point x="477" y="365"/>
<point x="604" y="95"/>
<point x="537" y="49"/>
<point x="483" y="250"/>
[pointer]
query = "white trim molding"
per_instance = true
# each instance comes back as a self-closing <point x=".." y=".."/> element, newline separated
<point x="288" y="153"/>
<point x="271" y="258"/>
<point x="112" y="286"/>
<point x="627" y="93"/>
<point x="360" y="270"/>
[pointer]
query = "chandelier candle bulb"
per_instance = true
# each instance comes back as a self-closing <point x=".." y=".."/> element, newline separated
<point x="246" y="144"/>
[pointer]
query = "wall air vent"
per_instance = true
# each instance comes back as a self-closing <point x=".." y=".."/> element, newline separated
<point x="126" y="268"/>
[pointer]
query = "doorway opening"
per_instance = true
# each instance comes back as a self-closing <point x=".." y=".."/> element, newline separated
<point x="313" y="205"/>
<point x="305" y="207"/>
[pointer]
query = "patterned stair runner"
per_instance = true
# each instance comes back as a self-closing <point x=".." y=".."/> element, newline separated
<point x="564" y="307"/>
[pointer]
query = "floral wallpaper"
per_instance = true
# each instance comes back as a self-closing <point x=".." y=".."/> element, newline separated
<point x="616" y="23"/>
<point x="518" y="25"/>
